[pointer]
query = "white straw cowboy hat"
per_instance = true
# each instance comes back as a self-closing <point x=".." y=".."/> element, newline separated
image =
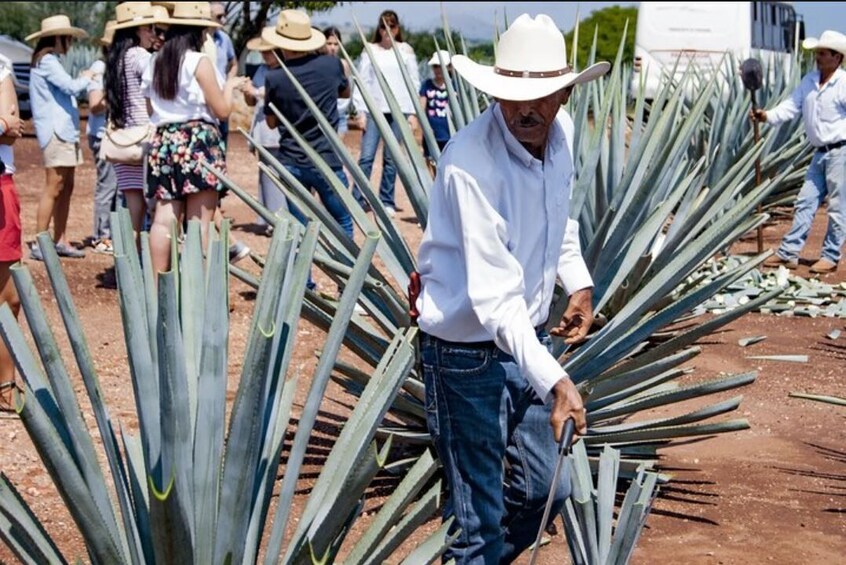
<point x="530" y="63"/>
<point x="435" y="61"/>
<point x="136" y="14"/>
<point x="108" y="33"/>
<point x="293" y="32"/>
<point x="259" y="44"/>
<point x="56" y="25"/>
<point x="828" y="40"/>
<point x="192" y="14"/>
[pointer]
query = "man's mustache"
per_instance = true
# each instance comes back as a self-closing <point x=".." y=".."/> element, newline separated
<point x="527" y="121"/>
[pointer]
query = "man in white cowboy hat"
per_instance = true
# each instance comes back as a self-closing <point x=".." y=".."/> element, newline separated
<point x="821" y="101"/>
<point x="498" y="234"/>
<point x="323" y="78"/>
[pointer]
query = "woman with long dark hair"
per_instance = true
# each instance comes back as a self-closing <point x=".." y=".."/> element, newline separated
<point x="387" y="27"/>
<point x="187" y="98"/>
<point x="55" y="115"/>
<point x="129" y="55"/>
<point x="333" y="48"/>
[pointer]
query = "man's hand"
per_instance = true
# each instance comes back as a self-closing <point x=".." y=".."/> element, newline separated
<point x="567" y="403"/>
<point x="758" y="115"/>
<point x="578" y="317"/>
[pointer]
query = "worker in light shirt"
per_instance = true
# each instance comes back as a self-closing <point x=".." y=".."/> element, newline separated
<point x="497" y="237"/>
<point x="821" y="101"/>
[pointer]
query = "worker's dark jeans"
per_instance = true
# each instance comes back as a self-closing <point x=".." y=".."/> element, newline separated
<point x="485" y="418"/>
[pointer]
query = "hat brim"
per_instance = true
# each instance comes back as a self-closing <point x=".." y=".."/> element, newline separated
<point x="259" y="44"/>
<point x="813" y="43"/>
<point x="313" y="43"/>
<point x="483" y="78"/>
<point x="142" y="22"/>
<point x="190" y="22"/>
<point x="71" y="31"/>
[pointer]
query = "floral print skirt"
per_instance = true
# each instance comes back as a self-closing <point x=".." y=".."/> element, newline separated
<point x="174" y="160"/>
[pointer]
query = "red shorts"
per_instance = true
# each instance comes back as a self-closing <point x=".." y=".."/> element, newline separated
<point x="10" y="220"/>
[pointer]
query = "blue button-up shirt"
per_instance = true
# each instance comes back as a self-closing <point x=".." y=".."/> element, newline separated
<point x="823" y="108"/>
<point x="52" y="93"/>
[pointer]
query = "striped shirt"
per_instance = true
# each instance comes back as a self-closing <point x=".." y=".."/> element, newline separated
<point x="135" y="62"/>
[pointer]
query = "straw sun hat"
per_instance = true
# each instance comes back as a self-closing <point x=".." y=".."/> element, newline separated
<point x="530" y="63"/>
<point x="828" y="40"/>
<point x="108" y="33"/>
<point x="293" y="32"/>
<point x="137" y="14"/>
<point x="191" y="14"/>
<point x="259" y="44"/>
<point x="56" y="25"/>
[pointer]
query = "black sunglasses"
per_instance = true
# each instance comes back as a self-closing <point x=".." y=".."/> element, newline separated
<point x="392" y="26"/>
<point x="159" y="31"/>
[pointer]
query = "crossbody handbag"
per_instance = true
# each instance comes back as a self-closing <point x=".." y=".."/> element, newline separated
<point x="125" y="145"/>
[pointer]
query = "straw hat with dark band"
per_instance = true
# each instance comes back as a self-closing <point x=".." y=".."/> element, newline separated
<point x="293" y="32"/>
<point x="56" y="25"/>
<point x="530" y="63"/>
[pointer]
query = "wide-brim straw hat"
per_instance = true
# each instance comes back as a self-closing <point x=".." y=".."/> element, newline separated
<point x="259" y="44"/>
<point x="293" y="32"/>
<point x="530" y="63"/>
<point x="136" y="14"/>
<point x="828" y="40"/>
<point x="56" y="25"/>
<point x="108" y="34"/>
<point x="436" y="59"/>
<point x="192" y="14"/>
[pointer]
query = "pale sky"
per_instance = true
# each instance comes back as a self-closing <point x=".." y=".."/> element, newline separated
<point x="476" y="19"/>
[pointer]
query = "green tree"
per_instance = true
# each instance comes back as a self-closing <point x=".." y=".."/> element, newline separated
<point x="23" y="18"/>
<point x="610" y="23"/>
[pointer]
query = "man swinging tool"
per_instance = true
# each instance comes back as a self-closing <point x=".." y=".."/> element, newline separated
<point x="498" y="234"/>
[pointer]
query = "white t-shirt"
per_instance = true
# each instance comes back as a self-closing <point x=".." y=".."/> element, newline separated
<point x="388" y="64"/>
<point x="189" y="104"/>
<point x="7" y="154"/>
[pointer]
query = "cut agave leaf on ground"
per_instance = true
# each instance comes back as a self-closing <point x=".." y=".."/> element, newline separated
<point x="747" y="341"/>
<point x="785" y="358"/>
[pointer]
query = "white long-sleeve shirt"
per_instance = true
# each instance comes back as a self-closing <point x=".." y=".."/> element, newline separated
<point x="388" y="64"/>
<point x="498" y="234"/>
<point x="823" y="109"/>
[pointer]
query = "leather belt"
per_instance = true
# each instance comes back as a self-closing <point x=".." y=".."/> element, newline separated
<point x="830" y="146"/>
<point x="539" y="329"/>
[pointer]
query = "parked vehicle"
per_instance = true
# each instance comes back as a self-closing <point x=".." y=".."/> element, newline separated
<point x="671" y="36"/>
<point x="18" y="56"/>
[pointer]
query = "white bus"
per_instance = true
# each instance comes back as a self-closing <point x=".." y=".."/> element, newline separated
<point x="671" y="35"/>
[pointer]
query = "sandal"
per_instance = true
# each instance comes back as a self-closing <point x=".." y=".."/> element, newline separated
<point x="7" y="407"/>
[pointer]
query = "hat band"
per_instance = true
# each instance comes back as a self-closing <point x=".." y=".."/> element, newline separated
<point x="532" y="74"/>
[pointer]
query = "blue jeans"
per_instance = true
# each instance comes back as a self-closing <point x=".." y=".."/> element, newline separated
<point x="484" y="417"/>
<point x="311" y="178"/>
<point x="826" y="176"/>
<point x="270" y="195"/>
<point x="105" y="192"/>
<point x="369" y="145"/>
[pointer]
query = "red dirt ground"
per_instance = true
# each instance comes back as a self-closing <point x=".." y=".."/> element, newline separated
<point x="773" y="494"/>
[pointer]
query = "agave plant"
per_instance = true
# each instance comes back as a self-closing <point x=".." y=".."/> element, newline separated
<point x="656" y="199"/>
<point x="592" y="535"/>
<point x="187" y="488"/>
